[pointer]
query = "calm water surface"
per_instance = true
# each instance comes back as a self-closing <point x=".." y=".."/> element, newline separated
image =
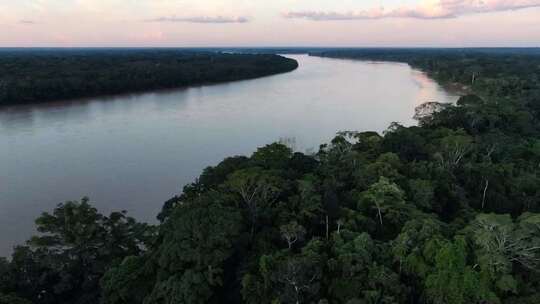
<point x="134" y="152"/>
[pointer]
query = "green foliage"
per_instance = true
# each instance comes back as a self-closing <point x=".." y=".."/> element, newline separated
<point x="356" y="272"/>
<point x="256" y="191"/>
<point x="11" y="299"/>
<point x="127" y="283"/>
<point x="274" y="156"/>
<point x="415" y="247"/>
<point x="196" y="242"/>
<point x="501" y="243"/>
<point x="387" y="204"/>
<point x="293" y="278"/>
<point x="77" y="245"/>
<point x="452" y="280"/>
<point x="422" y="193"/>
<point x="292" y="233"/>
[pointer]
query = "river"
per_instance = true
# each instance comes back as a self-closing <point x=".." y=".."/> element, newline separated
<point x="133" y="152"/>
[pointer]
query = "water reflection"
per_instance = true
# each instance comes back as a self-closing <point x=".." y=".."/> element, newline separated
<point x="134" y="152"/>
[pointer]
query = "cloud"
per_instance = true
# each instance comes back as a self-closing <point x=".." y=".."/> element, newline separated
<point x="439" y="9"/>
<point x="201" y="19"/>
<point x="27" y="22"/>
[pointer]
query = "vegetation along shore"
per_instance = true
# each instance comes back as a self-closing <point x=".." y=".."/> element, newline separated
<point x="33" y="76"/>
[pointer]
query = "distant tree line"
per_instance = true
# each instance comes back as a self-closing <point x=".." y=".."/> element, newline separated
<point x="446" y="212"/>
<point x="44" y="75"/>
<point x="512" y="75"/>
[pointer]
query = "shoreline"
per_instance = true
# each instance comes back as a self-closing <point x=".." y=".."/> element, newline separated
<point x="452" y="87"/>
<point x="286" y="64"/>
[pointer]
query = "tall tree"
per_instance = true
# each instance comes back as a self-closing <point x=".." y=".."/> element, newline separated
<point x="196" y="243"/>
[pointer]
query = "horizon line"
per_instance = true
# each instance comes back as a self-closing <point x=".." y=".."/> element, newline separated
<point x="270" y="47"/>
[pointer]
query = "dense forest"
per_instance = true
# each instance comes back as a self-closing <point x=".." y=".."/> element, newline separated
<point x="495" y="74"/>
<point x="34" y="76"/>
<point x="446" y="212"/>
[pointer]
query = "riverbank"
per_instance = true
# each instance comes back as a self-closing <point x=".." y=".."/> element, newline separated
<point x="453" y="87"/>
<point x="37" y="76"/>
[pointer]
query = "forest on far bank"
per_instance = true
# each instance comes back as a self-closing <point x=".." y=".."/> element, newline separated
<point x="445" y="212"/>
<point x="41" y="75"/>
<point x="510" y="74"/>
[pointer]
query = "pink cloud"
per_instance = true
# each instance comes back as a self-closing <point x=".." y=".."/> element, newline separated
<point x="438" y="10"/>
<point x="201" y="19"/>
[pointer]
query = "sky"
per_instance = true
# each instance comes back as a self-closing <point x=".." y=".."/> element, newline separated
<point x="331" y="23"/>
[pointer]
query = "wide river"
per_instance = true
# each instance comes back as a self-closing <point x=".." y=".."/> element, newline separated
<point x="133" y="152"/>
